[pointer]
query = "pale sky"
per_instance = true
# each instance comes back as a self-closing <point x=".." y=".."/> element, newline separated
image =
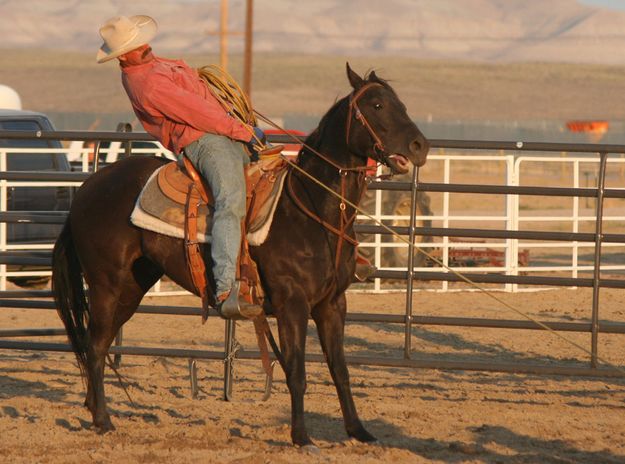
<point x="615" y="4"/>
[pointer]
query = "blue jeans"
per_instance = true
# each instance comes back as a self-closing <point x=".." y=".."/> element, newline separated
<point x="221" y="161"/>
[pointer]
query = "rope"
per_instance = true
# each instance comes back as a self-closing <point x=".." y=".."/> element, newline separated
<point x="230" y="96"/>
<point x="433" y="258"/>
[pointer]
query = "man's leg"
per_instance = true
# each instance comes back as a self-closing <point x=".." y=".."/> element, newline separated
<point x="221" y="161"/>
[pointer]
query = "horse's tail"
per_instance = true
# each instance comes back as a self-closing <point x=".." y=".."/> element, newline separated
<point x="69" y="294"/>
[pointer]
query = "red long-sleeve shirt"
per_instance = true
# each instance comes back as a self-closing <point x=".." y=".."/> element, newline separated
<point x="174" y="105"/>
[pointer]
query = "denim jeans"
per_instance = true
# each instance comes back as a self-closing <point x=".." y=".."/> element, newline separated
<point x="221" y="161"/>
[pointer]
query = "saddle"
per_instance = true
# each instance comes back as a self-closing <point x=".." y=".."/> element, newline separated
<point x="182" y="184"/>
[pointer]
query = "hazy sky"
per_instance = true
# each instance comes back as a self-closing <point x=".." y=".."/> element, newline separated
<point x="616" y="4"/>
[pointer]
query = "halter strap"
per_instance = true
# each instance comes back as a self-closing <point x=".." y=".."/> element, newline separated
<point x="355" y="110"/>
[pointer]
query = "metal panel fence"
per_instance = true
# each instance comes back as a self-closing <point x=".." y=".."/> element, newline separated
<point x="409" y="273"/>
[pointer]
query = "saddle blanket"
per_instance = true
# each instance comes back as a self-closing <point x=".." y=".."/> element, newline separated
<point x="156" y="212"/>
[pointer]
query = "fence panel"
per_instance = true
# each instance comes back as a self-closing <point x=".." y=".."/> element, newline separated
<point x="510" y="162"/>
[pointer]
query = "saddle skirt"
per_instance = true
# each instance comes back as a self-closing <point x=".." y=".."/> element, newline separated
<point x="161" y="204"/>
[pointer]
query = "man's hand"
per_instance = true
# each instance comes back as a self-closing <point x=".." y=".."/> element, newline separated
<point x="260" y="135"/>
<point x="256" y="144"/>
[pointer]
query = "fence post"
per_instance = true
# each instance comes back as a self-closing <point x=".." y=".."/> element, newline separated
<point x="4" y="206"/>
<point x="597" y="270"/>
<point x="230" y="351"/>
<point x="576" y="214"/>
<point x="119" y="339"/>
<point x="126" y="127"/>
<point x="513" y="167"/>
<point x="411" y="250"/>
<point x="446" y="198"/>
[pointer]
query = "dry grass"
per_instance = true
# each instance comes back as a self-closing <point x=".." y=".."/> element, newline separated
<point x="64" y="81"/>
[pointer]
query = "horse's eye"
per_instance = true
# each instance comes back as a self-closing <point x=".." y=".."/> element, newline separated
<point x="378" y="106"/>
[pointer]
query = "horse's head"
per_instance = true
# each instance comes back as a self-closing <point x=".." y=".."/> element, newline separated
<point x="379" y="127"/>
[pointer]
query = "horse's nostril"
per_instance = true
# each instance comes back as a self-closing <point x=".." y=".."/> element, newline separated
<point x="415" y="146"/>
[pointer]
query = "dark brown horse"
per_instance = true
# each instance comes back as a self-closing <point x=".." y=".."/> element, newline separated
<point x="305" y="264"/>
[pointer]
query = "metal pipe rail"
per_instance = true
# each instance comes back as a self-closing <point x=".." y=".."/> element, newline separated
<point x="607" y="327"/>
<point x="502" y="279"/>
<point x="496" y="189"/>
<point x="517" y="368"/>
<point x="283" y="138"/>
<point x="490" y="233"/>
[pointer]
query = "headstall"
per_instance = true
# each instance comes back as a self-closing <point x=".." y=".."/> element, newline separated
<point x="345" y="221"/>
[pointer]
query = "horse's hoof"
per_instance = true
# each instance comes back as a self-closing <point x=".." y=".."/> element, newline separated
<point x="103" y="428"/>
<point x="310" y="449"/>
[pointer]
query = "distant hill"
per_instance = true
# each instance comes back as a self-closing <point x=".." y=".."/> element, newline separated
<point x="475" y="30"/>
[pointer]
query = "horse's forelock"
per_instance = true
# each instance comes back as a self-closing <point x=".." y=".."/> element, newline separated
<point x="372" y="78"/>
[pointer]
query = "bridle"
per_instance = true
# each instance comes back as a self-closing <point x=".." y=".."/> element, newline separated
<point x="378" y="146"/>
<point x="344" y="220"/>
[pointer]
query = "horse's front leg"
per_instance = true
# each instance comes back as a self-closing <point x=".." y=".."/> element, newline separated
<point x="330" y="320"/>
<point x="292" y="325"/>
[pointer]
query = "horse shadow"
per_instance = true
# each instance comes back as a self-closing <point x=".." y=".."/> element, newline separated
<point x="12" y="387"/>
<point x="480" y="448"/>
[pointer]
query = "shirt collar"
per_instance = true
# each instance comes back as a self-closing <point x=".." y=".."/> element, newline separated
<point x="148" y="59"/>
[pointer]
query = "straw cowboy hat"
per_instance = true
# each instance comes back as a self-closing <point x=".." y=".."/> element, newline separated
<point x="123" y="34"/>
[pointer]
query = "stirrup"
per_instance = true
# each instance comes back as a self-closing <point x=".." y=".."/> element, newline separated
<point x="233" y="308"/>
<point x="271" y="150"/>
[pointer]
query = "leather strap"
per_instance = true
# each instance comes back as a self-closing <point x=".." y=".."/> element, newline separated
<point x="355" y="110"/>
<point x="192" y="248"/>
<point x="197" y="179"/>
<point x="344" y="220"/>
<point x="247" y="273"/>
<point x="261" y="327"/>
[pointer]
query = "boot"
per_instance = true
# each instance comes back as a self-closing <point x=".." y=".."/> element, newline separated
<point x="229" y="306"/>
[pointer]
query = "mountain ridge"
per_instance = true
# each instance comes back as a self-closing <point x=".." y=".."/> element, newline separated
<point x="472" y="30"/>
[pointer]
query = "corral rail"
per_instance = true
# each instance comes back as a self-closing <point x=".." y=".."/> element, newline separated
<point x="17" y="299"/>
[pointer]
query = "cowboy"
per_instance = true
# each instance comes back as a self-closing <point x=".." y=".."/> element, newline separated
<point x="175" y="106"/>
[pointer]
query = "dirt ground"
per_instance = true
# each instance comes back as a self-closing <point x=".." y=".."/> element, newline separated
<point x="418" y="415"/>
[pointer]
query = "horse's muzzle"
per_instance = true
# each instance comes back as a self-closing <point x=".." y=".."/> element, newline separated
<point x="419" y="149"/>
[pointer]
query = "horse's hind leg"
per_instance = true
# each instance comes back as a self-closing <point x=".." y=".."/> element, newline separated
<point x="330" y="321"/>
<point x="109" y="310"/>
<point x="102" y="332"/>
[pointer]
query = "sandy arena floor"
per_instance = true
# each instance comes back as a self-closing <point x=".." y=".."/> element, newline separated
<point x="418" y="415"/>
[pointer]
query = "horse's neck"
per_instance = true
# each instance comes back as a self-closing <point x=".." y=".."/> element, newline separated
<point x="322" y="178"/>
<point x="334" y="172"/>
<point x="329" y="140"/>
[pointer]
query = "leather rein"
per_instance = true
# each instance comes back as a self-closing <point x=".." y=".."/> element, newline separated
<point x="344" y="220"/>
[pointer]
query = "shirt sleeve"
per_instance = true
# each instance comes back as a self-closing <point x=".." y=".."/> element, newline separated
<point x="194" y="110"/>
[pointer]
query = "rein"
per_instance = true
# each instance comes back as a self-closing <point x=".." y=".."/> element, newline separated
<point x="344" y="220"/>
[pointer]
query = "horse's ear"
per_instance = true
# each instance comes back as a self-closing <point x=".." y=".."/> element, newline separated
<point x="373" y="77"/>
<point x="354" y="79"/>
